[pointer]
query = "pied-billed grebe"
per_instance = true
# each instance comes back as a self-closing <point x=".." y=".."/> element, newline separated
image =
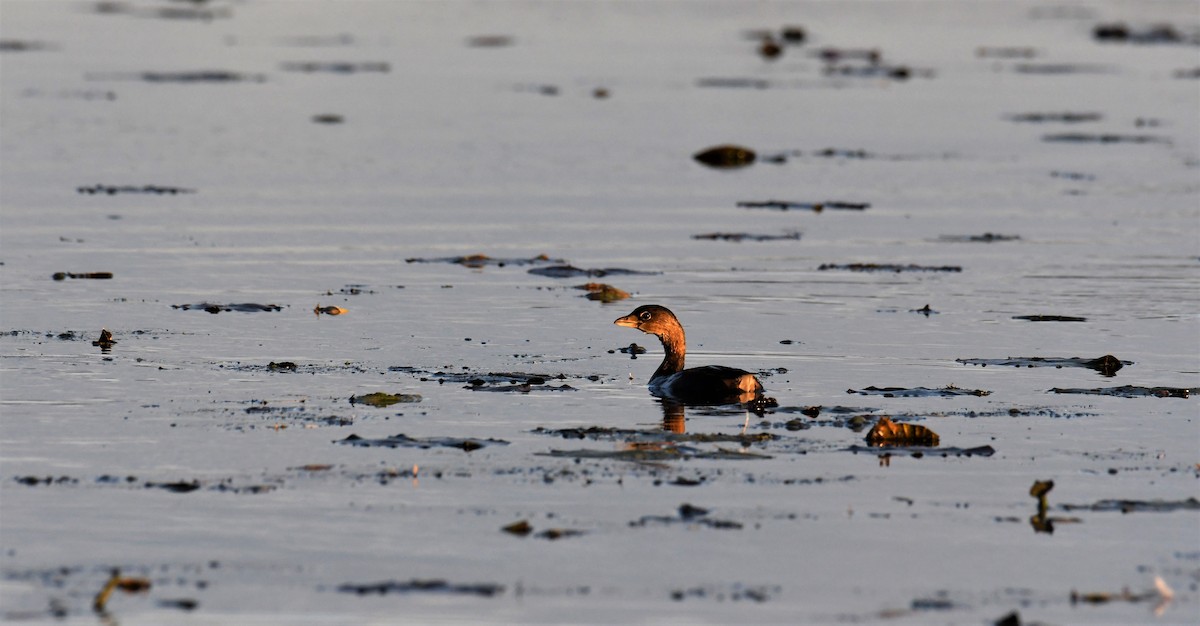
<point x="711" y="384"/>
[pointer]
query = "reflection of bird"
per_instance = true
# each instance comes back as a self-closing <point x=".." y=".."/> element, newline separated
<point x="711" y="384"/>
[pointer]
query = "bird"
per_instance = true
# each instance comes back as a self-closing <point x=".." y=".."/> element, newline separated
<point x="710" y="384"/>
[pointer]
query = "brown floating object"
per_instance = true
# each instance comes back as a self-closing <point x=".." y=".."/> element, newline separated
<point x="105" y="341"/>
<point x="329" y="310"/>
<point x="520" y="528"/>
<point x="726" y="156"/>
<point x="603" y="292"/>
<point x="885" y="432"/>
<point x="91" y="275"/>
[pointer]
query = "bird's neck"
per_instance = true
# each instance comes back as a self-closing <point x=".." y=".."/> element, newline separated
<point x="675" y="347"/>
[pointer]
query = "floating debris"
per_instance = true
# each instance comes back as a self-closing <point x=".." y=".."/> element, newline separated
<point x="816" y="207"/>
<point x="113" y="190"/>
<point x="1119" y="32"/>
<point x="917" y="392"/>
<point x="520" y="529"/>
<point x="769" y="49"/>
<point x="603" y="292"/>
<point x="415" y="585"/>
<point x="483" y="260"/>
<point x="381" y="400"/>
<point x="1133" y="391"/>
<point x="888" y="267"/>
<point x="632" y="350"/>
<point x="740" y="237"/>
<point x="244" y="307"/>
<point x="984" y="238"/>
<point x="1050" y="318"/>
<point x="733" y="83"/>
<point x="337" y="67"/>
<point x="17" y="45"/>
<point x="570" y="271"/>
<point x="726" y="157"/>
<point x="82" y="275"/>
<point x="1107" y="364"/>
<point x="1063" y="117"/>
<point x="328" y="310"/>
<point x="490" y="41"/>
<point x="526" y="387"/>
<point x="200" y="76"/>
<point x="633" y="436"/>
<point x="918" y="452"/>
<point x="282" y="366"/>
<point x="666" y="452"/>
<point x="328" y="118"/>
<point x="885" y="432"/>
<point x="404" y="441"/>
<point x="1006" y="52"/>
<point x="688" y="514"/>
<point x="1104" y="138"/>
<point x="1048" y="69"/>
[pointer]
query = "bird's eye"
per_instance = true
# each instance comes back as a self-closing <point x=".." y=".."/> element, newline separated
<point x="646" y="315"/>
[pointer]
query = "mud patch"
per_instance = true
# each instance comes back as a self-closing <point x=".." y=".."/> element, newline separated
<point x="416" y="585"/>
<point x="112" y="190"/>
<point x="888" y="267"/>
<point x="570" y="271"/>
<point x="740" y="237"/>
<point x="815" y="207"/>
<point x="1050" y="318"/>
<point x="404" y="441"/>
<point x="244" y="307"/>
<point x="984" y="238"/>
<point x="482" y="260"/>
<point x="1107" y="364"/>
<point x="689" y="515"/>
<point x="1133" y="391"/>
<point x="918" y="392"/>
<point x="381" y="399"/>
<point x="1136" y="506"/>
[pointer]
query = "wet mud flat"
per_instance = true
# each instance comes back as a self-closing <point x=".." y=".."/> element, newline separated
<point x="306" y="317"/>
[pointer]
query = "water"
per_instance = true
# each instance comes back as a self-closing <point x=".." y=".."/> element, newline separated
<point x="455" y="151"/>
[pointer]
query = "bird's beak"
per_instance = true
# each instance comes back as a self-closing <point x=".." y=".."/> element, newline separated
<point x="629" y="320"/>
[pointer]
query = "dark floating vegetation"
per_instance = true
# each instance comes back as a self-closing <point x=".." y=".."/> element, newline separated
<point x="984" y="238"/>
<point x="919" y="451"/>
<point x="885" y="432"/>
<point x="688" y="514"/>
<point x="490" y="41"/>
<point x="1102" y="138"/>
<point x="1107" y="364"/>
<point x="467" y="444"/>
<point x="244" y="307"/>
<point x="655" y="453"/>
<point x="337" y="67"/>
<point x="1050" y="318"/>
<point x="1063" y="117"/>
<point x="815" y="207"/>
<point x="416" y="585"/>
<point x="570" y="271"/>
<point x="1136" y="506"/>
<point x="602" y="292"/>
<point x="1133" y="391"/>
<point x="1120" y="32"/>
<point x="113" y="190"/>
<point x="632" y="350"/>
<point x="381" y="399"/>
<point x="918" y="392"/>
<point x="739" y="237"/>
<point x="526" y="387"/>
<point x="483" y="260"/>
<point x="82" y="275"/>
<point x="888" y="267"/>
<point x="185" y="77"/>
<point x="603" y="433"/>
<point x="726" y="157"/>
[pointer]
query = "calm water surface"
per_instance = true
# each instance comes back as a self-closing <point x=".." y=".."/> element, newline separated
<point x="457" y="150"/>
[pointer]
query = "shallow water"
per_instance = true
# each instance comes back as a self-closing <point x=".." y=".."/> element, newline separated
<point x="456" y="150"/>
